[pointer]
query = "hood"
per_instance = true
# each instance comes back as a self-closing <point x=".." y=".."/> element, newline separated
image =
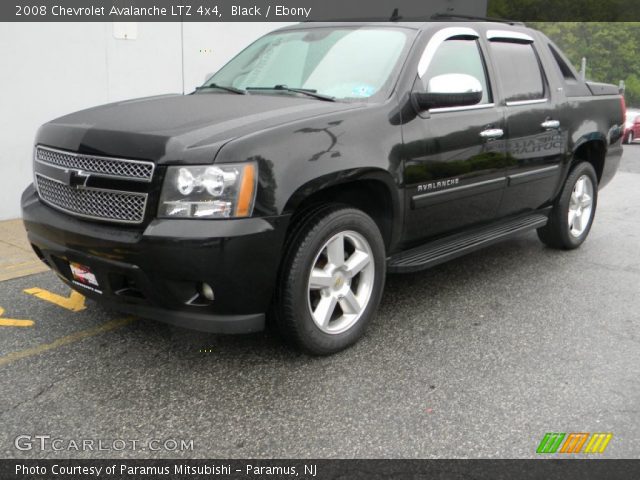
<point x="177" y="128"/>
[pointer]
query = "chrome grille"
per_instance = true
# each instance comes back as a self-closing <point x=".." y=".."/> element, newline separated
<point x="94" y="203"/>
<point x="98" y="166"/>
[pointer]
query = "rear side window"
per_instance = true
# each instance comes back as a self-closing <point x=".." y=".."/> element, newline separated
<point x="562" y="65"/>
<point x="519" y="70"/>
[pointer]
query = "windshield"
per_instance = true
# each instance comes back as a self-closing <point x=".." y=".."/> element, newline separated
<point x="345" y="63"/>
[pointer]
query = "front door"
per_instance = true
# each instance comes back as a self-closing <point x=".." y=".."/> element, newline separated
<point x="454" y="170"/>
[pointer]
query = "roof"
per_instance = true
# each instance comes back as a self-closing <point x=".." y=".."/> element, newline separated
<point x="410" y="25"/>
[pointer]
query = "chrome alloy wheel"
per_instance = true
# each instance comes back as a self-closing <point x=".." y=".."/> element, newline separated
<point x="580" y="206"/>
<point x="341" y="282"/>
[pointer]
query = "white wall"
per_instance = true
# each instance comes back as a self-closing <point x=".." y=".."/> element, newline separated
<point x="50" y="69"/>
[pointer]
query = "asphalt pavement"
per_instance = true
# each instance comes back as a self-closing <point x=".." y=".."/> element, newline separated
<point x="479" y="357"/>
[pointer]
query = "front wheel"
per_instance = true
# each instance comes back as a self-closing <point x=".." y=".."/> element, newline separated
<point x="331" y="280"/>
<point x="572" y="215"/>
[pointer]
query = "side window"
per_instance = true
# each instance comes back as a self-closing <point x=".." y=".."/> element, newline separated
<point x="459" y="56"/>
<point x="519" y="70"/>
<point x="565" y="70"/>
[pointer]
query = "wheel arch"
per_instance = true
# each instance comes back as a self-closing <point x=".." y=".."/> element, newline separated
<point x="592" y="149"/>
<point x="373" y="191"/>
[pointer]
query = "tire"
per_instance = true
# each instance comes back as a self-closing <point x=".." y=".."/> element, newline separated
<point x="573" y="212"/>
<point x="304" y="303"/>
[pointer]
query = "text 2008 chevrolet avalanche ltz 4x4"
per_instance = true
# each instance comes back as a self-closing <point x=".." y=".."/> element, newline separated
<point x="317" y="160"/>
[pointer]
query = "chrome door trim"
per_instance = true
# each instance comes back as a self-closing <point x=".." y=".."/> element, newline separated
<point x="439" y="196"/>
<point x="462" y="109"/>
<point x="517" y="103"/>
<point x="532" y="175"/>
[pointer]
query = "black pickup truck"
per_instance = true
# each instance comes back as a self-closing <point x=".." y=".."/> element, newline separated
<point x="317" y="160"/>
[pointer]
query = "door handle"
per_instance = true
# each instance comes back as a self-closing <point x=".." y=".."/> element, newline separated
<point x="492" y="133"/>
<point x="550" y="124"/>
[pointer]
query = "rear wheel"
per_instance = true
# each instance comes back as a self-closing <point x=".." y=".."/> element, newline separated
<point x="572" y="215"/>
<point x="331" y="280"/>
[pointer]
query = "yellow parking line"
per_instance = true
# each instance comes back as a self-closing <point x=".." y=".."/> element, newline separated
<point x="74" y="302"/>
<point x="60" y="342"/>
<point x="12" y="322"/>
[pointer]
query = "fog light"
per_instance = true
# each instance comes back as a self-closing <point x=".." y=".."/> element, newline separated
<point x="207" y="291"/>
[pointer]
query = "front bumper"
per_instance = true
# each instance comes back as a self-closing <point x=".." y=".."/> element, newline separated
<point x="157" y="272"/>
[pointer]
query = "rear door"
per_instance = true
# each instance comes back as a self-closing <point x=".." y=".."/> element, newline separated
<point x="536" y="140"/>
<point x="454" y="157"/>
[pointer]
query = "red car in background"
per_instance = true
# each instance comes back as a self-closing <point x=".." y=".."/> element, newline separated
<point x="631" y="126"/>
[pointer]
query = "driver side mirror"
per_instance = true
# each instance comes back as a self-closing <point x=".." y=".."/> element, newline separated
<point x="450" y="90"/>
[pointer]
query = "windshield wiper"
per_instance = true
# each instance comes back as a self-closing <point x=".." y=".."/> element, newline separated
<point x="239" y="91"/>
<point x="304" y="91"/>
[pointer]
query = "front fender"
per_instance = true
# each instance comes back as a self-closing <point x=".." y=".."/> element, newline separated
<point x="344" y="177"/>
<point x="302" y="157"/>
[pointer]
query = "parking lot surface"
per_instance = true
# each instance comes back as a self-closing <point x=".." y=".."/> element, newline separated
<point x="479" y="357"/>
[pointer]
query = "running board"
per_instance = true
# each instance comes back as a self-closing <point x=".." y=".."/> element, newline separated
<point x="440" y="251"/>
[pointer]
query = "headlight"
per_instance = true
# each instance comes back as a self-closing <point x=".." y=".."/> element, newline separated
<point x="213" y="191"/>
